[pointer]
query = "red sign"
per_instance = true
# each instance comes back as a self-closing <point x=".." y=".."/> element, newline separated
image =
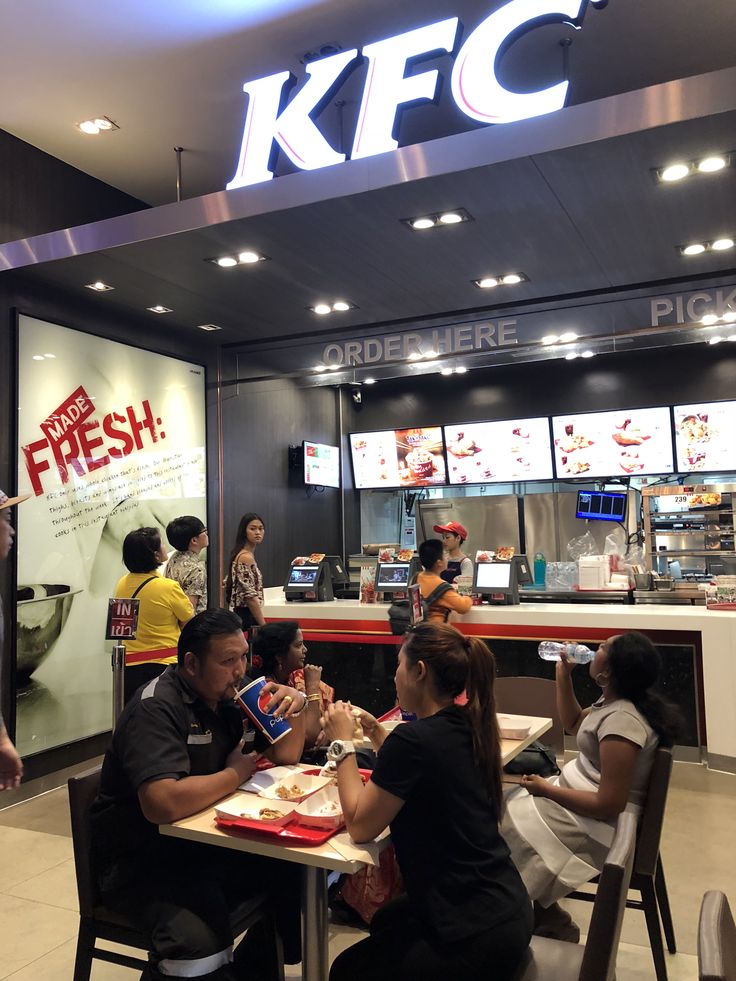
<point x="122" y="619"/>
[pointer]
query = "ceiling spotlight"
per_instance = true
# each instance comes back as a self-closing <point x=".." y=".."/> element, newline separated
<point x="568" y="337"/>
<point x="438" y="219"/>
<point x="507" y="279"/>
<point x="420" y="223"/>
<point x="51" y="357"/>
<point x="729" y="316"/>
<point x="571" y="356"/>
<point x="488" y="283"/>
<point x="451" y="218"/>
<point x="103" y="124"/>
<point x="100" y="124"/>
<point x="511" y="279"/>
<point x="711" y="165"/>
<point x="208" y="327"/>
<point x="334" y="367"/>
<point x="38" y="357"/>
<point x="675" y="172"/>
<point x="462" y="370"/>
<point x="695" y="249"/>
<point x="721" y="244"/>
<point x="550" y="339"/>
<point x="340" y="306"/>
<point x="369" y="381"/>
<point x="715" y="340"/>
<point x="588" y="354"/>
<point x="446" y="371"/>
<point x="99" y="287"/>
<point x="160" y="308"/>
<point x="430" y="355"/>
<point x="731" y="337"/>
<point x="248" y="256"/>
<point x="226" y="261"/>
<point x="322" y="308"/>
<point x="709" y="319"/>
<point x="416" y="356"/>
<point x="320" y="367"/>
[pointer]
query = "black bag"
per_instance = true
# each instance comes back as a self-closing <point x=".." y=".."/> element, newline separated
<point x="399" y="613"/>
<point x="536" y="758"/>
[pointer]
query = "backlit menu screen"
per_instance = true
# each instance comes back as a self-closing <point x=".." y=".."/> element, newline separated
<point x="321" y="464"/>
<point x="398" y="458"/>
<point x="498" y="452"/>
<point x="613" y="444"/>
<point x="705" y="436"/>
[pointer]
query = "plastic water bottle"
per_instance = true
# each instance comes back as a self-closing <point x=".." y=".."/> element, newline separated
<point x="540" y="569"/>
<point x="552" y="650"/>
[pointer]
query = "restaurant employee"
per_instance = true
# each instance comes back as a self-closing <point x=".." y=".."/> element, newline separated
<point x="454" y="536"/>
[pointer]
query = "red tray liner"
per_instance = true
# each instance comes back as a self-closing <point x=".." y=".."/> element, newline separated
<point x="292" y="833"/>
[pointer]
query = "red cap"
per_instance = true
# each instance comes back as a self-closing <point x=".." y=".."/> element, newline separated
<point x="454" y="528"/>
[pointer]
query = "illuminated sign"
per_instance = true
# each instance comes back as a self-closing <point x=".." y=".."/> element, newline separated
<point x="272" y="122"/>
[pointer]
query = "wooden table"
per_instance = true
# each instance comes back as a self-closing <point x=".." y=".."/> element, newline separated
<point x="317" y="862"/>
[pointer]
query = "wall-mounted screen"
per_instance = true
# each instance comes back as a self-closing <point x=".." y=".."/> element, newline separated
<point x="705" y="436"/>
<point x="321" y="464"/>
<point x="499" y="452"/>
<point x="601" y="506"/>
<point x="613" y="444"/>
<point x="303" y="575"/>
<point x="398" y="458"/>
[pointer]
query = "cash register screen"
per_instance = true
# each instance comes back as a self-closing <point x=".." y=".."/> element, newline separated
<point x="392" y="575"/>
<point x="303" y="575"/>
<point x="492" y="575"/>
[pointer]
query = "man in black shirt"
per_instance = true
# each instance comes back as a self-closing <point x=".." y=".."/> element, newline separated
<point x="176" y="749"/>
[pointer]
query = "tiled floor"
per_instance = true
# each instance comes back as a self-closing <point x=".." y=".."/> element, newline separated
<point x="38" y="904"/>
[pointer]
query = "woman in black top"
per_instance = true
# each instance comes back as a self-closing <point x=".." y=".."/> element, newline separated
<point x="437" y="784"/>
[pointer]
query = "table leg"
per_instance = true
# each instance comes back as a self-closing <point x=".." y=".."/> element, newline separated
<point x="315" y="961"/>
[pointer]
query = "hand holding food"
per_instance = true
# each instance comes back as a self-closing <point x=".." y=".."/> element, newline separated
<point x="338" y="722"/>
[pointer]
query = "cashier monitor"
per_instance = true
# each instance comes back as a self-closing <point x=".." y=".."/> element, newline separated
<point x="392" y="577"/>
<point x="497" y="581"/>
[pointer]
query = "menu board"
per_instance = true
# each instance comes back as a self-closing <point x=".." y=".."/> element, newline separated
<point x="612" y="444"/>
<point x="321" y="464"/>
<point x="705" y="436"/>
<point x="498" y="452"/>
<point x="398" y="458"/>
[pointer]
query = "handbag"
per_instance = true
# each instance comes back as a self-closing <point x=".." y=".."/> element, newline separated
<point x="536" y="758"/>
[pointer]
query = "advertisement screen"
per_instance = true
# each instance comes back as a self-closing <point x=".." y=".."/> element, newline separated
<point x="626" y="442"/>
<point x="111" y="438"/>
<point x="705" y="436"/>
<point x="321" y="464"/>
<point x="398" y="458"/>
<point x="499" y="452"/>
<point x="302" y="575"/>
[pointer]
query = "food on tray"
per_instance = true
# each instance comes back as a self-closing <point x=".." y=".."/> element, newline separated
<point x="703" y="500"/>
<point x="630" y="461"/>
<point x="294" y="792"/>
<point x="268" y="814"/>
<point x="328" y="809"/>
<point x="696" y="428"/>
<point x="574" y="467"/>
<point x="463" y="445"/>
<point x="484" y="556"/>
<point x="357" y="727"/>
<point x="505" y="553"/>
<point x="316" y="557"/>
<point x="405" y="555"/>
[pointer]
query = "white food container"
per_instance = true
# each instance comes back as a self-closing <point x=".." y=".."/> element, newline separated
<point x="248" y="807"/>
<point x="307" y="785"/>
<point x="513" y="726"/>
<point x="321" y="810"/>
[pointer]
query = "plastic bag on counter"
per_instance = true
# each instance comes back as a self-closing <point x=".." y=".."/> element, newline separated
<point x="561" y="575"/>
<point x="635" y="557"/>
<point x="615" y="549"/>
<point x="577" y="548"/>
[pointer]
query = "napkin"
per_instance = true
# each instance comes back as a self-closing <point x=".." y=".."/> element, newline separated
<point x="367" y="852"/>
<point x="267" y="779"/>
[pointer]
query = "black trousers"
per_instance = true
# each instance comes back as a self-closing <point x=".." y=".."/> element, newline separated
<point x="182" y="897"/>
<point x="401" y="949"/>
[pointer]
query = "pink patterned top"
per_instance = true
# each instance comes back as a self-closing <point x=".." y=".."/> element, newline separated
<point x="247" y="584"/>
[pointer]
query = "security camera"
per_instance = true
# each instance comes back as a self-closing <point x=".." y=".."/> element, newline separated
<point x="356" y="394"/>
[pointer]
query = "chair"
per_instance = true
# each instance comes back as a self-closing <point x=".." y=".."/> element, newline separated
<point x="556" y="960"/>
<point x="98" y="922"/>
<point x="716" y="939"/>
<point x="648" y="875"/>
<point x="532" y="696"/>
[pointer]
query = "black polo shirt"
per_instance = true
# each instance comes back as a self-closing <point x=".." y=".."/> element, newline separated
<point x="165" y="730"/>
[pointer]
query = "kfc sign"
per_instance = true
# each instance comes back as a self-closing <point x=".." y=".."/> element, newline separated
<point x="273" y="122"/>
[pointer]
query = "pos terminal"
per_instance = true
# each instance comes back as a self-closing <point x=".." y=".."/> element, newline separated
<point x="496" y="582"/>
<point x="309" y="581"/>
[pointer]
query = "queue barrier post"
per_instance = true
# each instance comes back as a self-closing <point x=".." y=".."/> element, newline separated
<point x="122" y="623"/>
<point x="118" y="681"/>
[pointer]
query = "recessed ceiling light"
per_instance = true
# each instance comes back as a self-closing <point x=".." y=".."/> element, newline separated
<point x="451" y="218"/>
<point x="731" y="337"/>
<point x="420" y="223"/>
<point x="568" y="337"/>
<point x="322" y="308"/>
<point x="488" y="283"/>
<point x="709" y="319"/>
<point x="160" y="308"/>
<point x="695" y="249"/>
<point x="248" y="257"/>
<point x="99" y="287"/>
<point x="716" y="339"/>
<point x="462" y="370"/>
<point x="226" y="261"/>
<point x="511" y="279"/>
<point x="588" y="354"/>
<point x="729" y="316"/>
<point x="334" y="367"/>
<point x="550" y="339"/>
<point x="446" y="371"/>
<point x="571" y="356"/>
<point x="369" y="381"/>
<point x="51" y="357"/>
<point x="430" y="355"/>
<point x="675" y="172"/>
<point x="38" y="357"/>
<point x="438" y="219"/>
<point x="506" y="279"/>
<point x="340" y="306"/>
<point x="100" y="124"/>
<point x="320" y="367"/>
<point x="711" y="165"/>
<point x="721" y="244"/>
<point x="415" y="356"/>
<point x="208" y="327"/>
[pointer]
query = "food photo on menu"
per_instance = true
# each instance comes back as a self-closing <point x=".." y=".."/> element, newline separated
<point x="375" y="463"/>
<point x="398" y="458"/>
<point x="488" y="452"/>
<point x="609" y="444"/>
<point x="704" y="436"/>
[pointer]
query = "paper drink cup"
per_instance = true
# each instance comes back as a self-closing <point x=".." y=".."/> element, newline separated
<point x="253" y="700"/>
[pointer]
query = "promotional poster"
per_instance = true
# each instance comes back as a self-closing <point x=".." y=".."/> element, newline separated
<point x="110" y="438"/>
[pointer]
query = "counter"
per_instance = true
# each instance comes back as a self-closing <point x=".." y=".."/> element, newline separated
<point x="710" y="634"/>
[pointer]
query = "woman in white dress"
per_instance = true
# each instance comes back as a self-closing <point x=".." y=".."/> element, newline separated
<point x="560" y="830"/>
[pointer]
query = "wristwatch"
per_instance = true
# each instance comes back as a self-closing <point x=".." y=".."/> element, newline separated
<point x="339" y="749"/>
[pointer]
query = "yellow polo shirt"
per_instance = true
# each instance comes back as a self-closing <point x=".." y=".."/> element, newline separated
<point x="164" y="605"/>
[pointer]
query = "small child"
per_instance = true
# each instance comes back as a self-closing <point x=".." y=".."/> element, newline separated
<point x="188" y="536"/>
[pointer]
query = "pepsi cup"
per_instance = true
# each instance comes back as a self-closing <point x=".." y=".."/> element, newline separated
<point x="253" y="699"/>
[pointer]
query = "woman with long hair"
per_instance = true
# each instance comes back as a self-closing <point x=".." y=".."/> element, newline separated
<point x="244" y="583"/>
<point x="437" y="785"/>
<point x="282" y="652"/>
<point x="560" y="830"/>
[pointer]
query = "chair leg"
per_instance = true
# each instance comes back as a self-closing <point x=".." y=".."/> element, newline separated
<point x="649" y="901"/>
<point x="660" y="888"/>
<point x="85" y="946"/>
